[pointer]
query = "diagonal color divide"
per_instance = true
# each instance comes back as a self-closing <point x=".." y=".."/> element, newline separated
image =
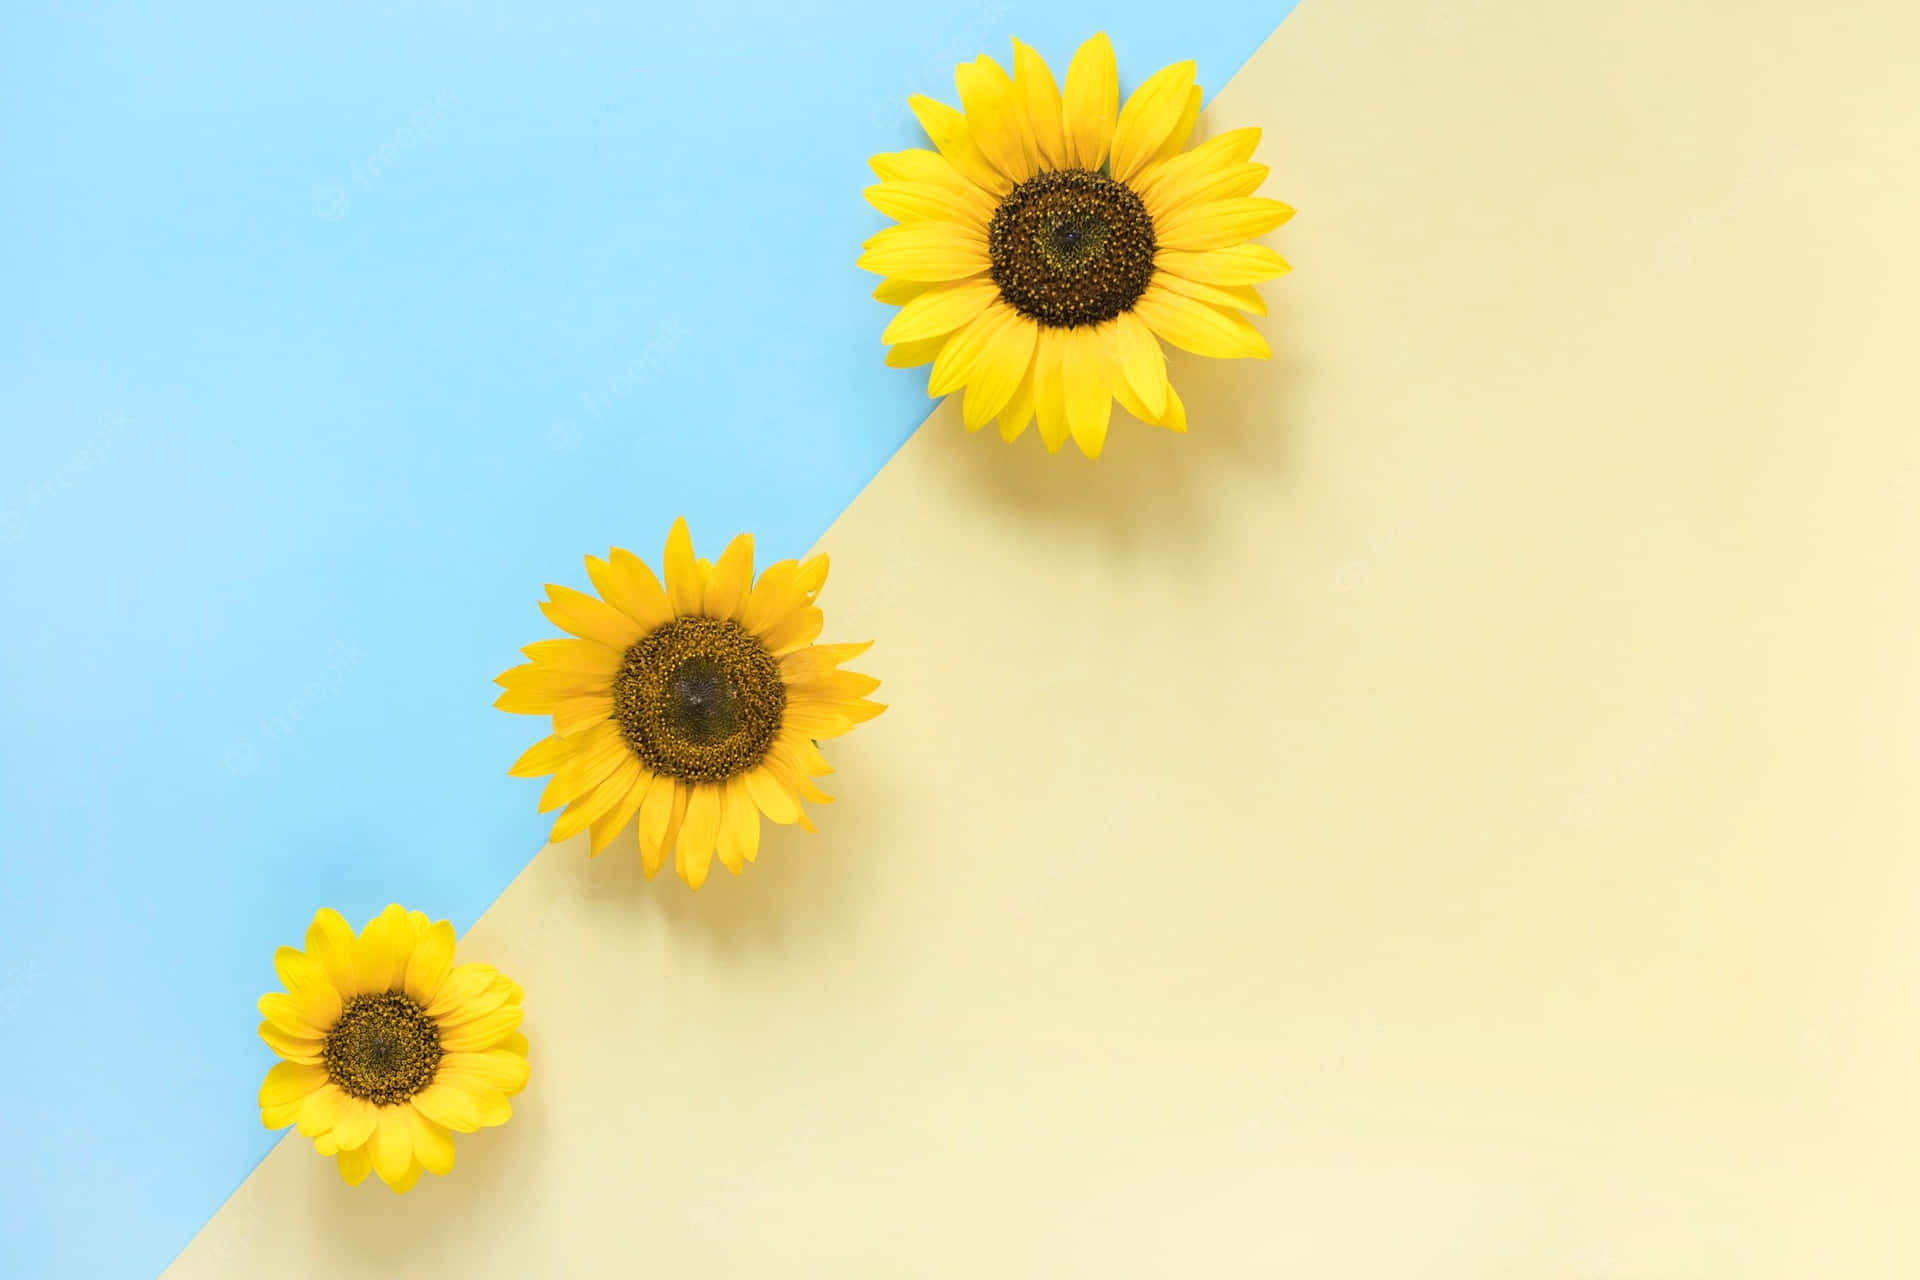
<point x="1444" y="817"/>
<point x="326" y="339"/>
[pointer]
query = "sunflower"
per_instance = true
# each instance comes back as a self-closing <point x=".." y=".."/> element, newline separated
<point x="689" y="710"/>
<point x="1051" y="243"/>
<point x="388" y="1047"/>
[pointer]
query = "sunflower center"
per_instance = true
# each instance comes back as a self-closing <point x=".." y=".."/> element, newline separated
<point x="384" y="1048"/>
<point x="699" y="699"/>
<point x="1071" y="247"/>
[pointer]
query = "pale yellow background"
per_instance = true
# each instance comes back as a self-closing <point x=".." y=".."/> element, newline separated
<point x="1451" y="815"/>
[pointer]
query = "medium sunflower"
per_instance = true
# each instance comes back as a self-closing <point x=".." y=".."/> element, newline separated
<point x="388" y="1047"/>
<point x="1051" y="244"/>
<point x="693" y="708"/>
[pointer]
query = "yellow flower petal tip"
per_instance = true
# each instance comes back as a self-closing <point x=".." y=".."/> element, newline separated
<point x="387" y="1048"/>
<point x="685" y="708"/>
<point x="1056" y="237"/>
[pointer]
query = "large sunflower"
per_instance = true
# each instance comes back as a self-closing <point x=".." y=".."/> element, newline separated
<point x="693" y="708"/>
<point x="1051" y="243"/>
<point x="387" y="1046"/>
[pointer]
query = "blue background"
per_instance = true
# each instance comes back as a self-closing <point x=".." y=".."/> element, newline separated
<point x="326" y="338"/>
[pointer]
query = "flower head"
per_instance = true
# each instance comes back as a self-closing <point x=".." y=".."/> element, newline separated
<point x="689" y="709"/>
<point x="1055" y="239"/>
<point x="387" y="1047"/>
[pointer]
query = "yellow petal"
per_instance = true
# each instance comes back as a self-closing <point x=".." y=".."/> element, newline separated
<point x="542" y="757"/>
<point x="1138" y="361"/>
<point x="407" y="1179"/>
<point x="774" y="596"/>
<point x="732" y="576"/>
<point x="818" y="661"/>
<point x="475" y="1005"/>
<point x="1151" y="114"/>
<point x="611" y="790"/>
<point x="594" y="753"/>
<point x="330" y="941"/>
<point x="483" y="1032"/>
<point x="429" y="964"/>
<point x="836" y="686"/>
<point x="941" y="310"/>
<point x="656" y="810"/>
<point x="354" y="1124"/>
<point x="611" y="823"/>
<point x="448" y="1105"/>
<point x="911" y="355"/>
<point x="629" y="586"/>
<point x="685" y="591"/>
<point x="289" y="1082"/>
<point x="1038" y="94"/>
<point x="1088" y="387"/>
<point x="555" y="683"/>
<point x="500" y="1069"/>
<point x="929" y="251"/>
<point x="948" y="130"/>
<point x="1199" y="328"/>
<point x="307" y="982"/>
<point x="1237" y="298"/>
<point x="1049" y="389"/>
<point x="1175" y="418"/>
<point x="1223" y="151"/>
<point x="1220" y="222"/>
<point x="1204" y="188"/>
<point x="1091" y="104"/>
<point x="986" y="96"/>
<point x="927" y="201"/>
<point x="652" y="854"/>
<point x="356" y="1163"/>
<point x="739" y="838"/>
<point x="380" y="956"/>
<point x="699" y="832"/>
<point x="999" y="370"/>
<point x="955" y="365"/>
<point x="921" y="167"/>
<point x="589" y="617"/>
<point x="1182" y="128"/>
<point x="489" y="1106"/>
<point x="811" y="575"/>
<point x="815" y="720"/>
<point x="432" y="1144"/>
<point x="464" y="983"/>
<point x="281" y="1114"/>
<point x="797" y="630"/>
<point x="898" y="293"/>
<point x="293" y="1048"/>
<point x="772" y="798"/>
<point x="393" y="1144"/>
<point x="319" y="1110"/>
<point x="577" y="715"/>
<point x="574" y="654"/>
<point x="1236" y="264"/>
<point x="1018" y="410"/>
<point x="281" y="1011"/>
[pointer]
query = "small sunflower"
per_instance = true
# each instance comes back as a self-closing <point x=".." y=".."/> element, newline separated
<point x="1051" y="244"/>
<point x="689" y="710"/>
<point x="388" y="1047"/>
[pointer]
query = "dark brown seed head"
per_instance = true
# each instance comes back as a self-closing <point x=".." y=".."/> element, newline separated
<point x="1071" y="247"/>
<point x="699" y="699"/>
<point x="384" y="1048"/>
